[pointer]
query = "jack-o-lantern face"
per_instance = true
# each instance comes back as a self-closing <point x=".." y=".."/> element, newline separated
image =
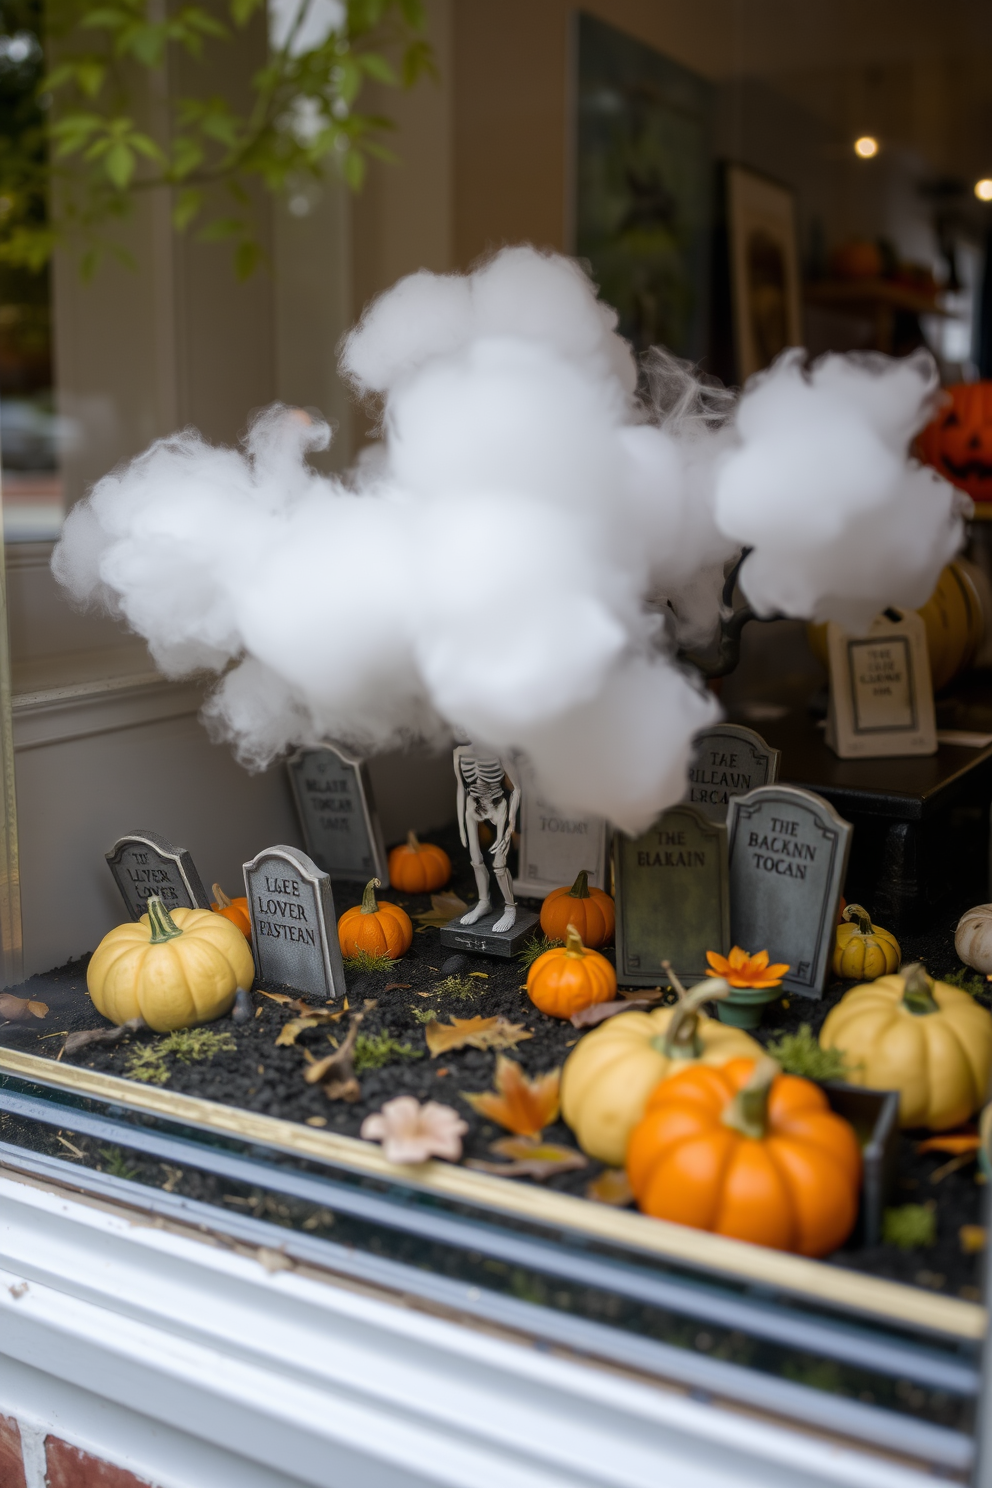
<point x="958" y="442"/>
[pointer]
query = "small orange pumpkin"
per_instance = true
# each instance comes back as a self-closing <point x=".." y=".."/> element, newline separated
<point x="418" y="867"/>
<point x="744" y="1151"/>
<point x="235" y="910"/>
<point x="377" y="929"/>
<point x="590" y="910"/>
<point x="958" y="442"/>
<point x="570" y="977"/>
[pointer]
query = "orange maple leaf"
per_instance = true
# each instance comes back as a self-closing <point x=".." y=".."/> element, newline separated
<point x="956" y="1143"/>
<point x="480" y="1033"/>
<point x="742" y="970"/>
<point x="521" y="1105"/>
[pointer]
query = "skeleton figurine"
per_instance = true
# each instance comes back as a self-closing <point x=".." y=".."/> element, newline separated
<point x="482" y="797"/>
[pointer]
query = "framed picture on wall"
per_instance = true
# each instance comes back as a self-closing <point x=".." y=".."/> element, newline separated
<point x="764" y="269"/>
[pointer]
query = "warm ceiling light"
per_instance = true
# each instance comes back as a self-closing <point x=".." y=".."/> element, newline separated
<point x="866" y="146"/>
<point x="983" y="189"/>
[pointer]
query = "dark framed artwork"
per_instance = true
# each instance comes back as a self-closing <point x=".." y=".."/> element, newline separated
<point x="764" y="268"/>
<point x="643" y="186"/>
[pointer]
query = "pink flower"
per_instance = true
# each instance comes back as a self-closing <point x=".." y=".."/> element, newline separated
<point x="411" y="1133"/>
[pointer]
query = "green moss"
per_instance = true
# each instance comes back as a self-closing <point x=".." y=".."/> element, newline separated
<point x="373" y="1050"/>
<point x="368" y="961"/>
<point x="149" y="1062"/>
<point x="424" y="1015"/>
<point x="910" y="1227"/>
<point x="535" y="947"/>
<point x="800" y="1054"/>
<point x="455" y="986"/>
<point x="968" y="980"/>
<point x="115" y="1164"/>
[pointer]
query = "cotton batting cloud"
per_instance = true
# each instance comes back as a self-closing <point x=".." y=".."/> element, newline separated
<point x="529" y="542"/>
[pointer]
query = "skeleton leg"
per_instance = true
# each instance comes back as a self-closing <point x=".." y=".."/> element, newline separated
<point x="501" y="873"/>
<point x="478" y="867"/>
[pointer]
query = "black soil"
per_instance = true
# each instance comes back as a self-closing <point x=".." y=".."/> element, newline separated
<point x="266" y="1078"/>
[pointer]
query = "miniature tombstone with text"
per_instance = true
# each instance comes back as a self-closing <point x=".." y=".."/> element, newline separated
<point x="337" y="812"/>
<point x="881" y="691"/>
<point x="788" y="857"/>
<point x="728" y="761"/>
<point x="293" y="924"/>
<point x="672" y="897"/>
<point x="143" y="863"/>
<point x="555" y="846"/>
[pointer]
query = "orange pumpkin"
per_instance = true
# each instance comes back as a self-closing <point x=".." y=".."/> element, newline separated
<point x="857" y="259"/>
<point x="235" y="910"/>
<point x="743" y="1151"/>
<point x="958" y="442"/>
<point x="590" y="910"/>
<point x="418" y="867"/>
<point x="377" y="929"/>
<point x="570" y="977"/>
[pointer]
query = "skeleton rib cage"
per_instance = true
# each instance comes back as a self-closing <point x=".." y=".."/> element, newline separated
<point x="483" y="776"/>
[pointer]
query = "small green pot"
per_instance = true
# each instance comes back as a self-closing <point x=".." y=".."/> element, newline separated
<point x="745" y="1006"/>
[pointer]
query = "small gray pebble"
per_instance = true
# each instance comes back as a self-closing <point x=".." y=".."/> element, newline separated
<point x="454" y="965"/>
<point x="242" y="1010"/>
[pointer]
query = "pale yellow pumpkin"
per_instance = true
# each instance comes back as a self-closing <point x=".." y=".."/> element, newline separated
<point x="608" y="1077"/>
<point x="926" y="1039"/>
<point x="863" y="951"/>
<point x="174" y="970"/>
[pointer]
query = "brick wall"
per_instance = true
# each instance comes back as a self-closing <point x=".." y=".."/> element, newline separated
<point x="57" y="1465"/>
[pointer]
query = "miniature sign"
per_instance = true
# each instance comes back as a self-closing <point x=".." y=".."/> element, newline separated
<point x="881" y="692"/>
<point x="672" y="897"/>
<point x="729" y="761"/>
<point x="143" y="863"/>
<point x="788" y="857"/>
<point x="293" y="925"/>
<point x="555" y="846"/>
<point x="337" y="813"/>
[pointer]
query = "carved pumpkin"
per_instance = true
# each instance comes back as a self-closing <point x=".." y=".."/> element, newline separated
<point x="958" y="442"/>
<point x="418" y="867"/>
<point x="570" y="977"/>
<point x="590" y="910"/>
<point x="863" y="951"/>
<point x="381" y="929"/>
<point x="235" y="910"/>
<point x="744" y="1151"/>
<point x="610" y="1074"/>
<point x="926" y="1039"/>
<point x="973" y="938"/>
<point x="174" y="970"/>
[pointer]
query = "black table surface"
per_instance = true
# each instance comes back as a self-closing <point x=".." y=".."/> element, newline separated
<point x="912" y="788"/>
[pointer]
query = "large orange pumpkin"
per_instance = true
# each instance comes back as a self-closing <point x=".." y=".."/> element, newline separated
<point x="958" y="442"/>
<point x="569" y="978"/>
<point x="590" y="910"/>
<point x="376" y="929"/>
<point x="418" y="867"/>
<point x="743" y="1151"/>
<point x="235" y="910"/>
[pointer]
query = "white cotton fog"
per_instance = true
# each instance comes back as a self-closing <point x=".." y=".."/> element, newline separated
<point x="529" y="545"/>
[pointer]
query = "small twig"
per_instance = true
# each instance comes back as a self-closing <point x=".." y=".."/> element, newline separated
<point x="76" y="1041"/>
<point x="336" y="1073"/>
<point x="951" y="1167"/>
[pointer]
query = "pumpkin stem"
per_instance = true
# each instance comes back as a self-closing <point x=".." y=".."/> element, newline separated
<point x="412" y="845"/>
<point x="747" y="1113"/>
<point x="369" y="905"/>
<point x="681" y="1038"/>
<point x="580" y="888"/>
<point x="573" y="943"/>
<point x="917" y="992"/>
<point x="220" y="898"/>
<point x="855" y="912"/>
<point x="163" y="925"/>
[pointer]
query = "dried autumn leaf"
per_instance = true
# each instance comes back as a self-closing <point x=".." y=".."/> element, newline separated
<point x="973" y="1238"/>
<point x="598" y="1012"/>
<point x="611" y="1187"/>
<point x="276" y="996"/>
<point x="290" y="1032"/>
<point x="520" y="1104"/>
<point x="953" y="1144"/>
<point x="477" y="1033"/>
<point x="530" y="1159"/>
<point x="444" y="907"/>
<point x="20" y="1009"/>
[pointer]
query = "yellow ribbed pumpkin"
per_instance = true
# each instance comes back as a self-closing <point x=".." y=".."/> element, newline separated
<point x="610" y="1074"/>
<point x="926" y="1039"/>
<point x="863" y="951"/>
<point x="174" y="970"/>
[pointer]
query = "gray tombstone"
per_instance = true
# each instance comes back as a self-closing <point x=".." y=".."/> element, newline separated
<point x="337" y="812"/>
<point x="728" y="760"/>
<point x="788" y="858"/>
<point x="672" y="897"/>
<point x="555" y="847"/>
<point x="294" y="930"/>
<point x="143" y="863"/>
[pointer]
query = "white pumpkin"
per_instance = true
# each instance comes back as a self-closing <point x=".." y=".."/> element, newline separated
<point x="973" y="938"/>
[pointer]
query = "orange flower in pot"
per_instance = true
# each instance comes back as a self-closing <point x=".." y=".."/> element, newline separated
<point x="744" y="1151"/>
<point x="235" y="910"/>
<point x="589" y="909"/>
<point x="375" y="929"/>
<point x="570" y="977"/>
<point x="752" y="981"/>
<point x="418" y="867"/>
